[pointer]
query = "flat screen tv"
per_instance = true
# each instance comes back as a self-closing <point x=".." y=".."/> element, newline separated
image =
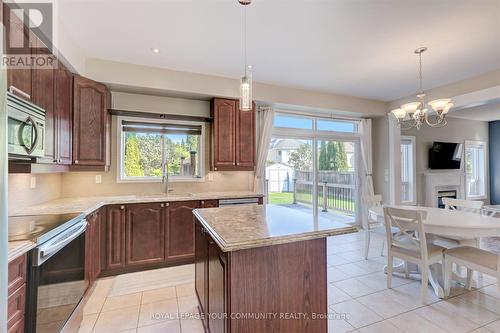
<point x="445" y="155"/>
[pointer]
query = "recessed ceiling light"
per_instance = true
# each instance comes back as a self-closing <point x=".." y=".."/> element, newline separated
<point x="155" y="50"/>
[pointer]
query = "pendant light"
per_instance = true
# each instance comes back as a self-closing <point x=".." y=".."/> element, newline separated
<point x="246" y="79"/>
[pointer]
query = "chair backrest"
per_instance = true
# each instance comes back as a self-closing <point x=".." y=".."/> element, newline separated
<point x="473" y="206"/>
<point x="372" y="200"/>
<point x="411" y="233"/>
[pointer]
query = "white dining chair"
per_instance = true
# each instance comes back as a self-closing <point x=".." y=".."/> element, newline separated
<point x="475" y="260"/>
<point x="372" y="225"/>
<point x="410" y="244"/>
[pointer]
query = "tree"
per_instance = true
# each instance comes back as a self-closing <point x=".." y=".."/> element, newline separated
<point x="301" y="159"/>
<point x="340" y="158"/>
<point x="133" y="166"/>
<point x="324" y="164"/>
<point x="332" y="156"/>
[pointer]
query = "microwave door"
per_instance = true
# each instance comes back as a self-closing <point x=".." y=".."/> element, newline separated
<point x="28" y="135"/>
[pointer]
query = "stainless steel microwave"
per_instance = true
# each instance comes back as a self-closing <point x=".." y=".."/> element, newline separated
<point x="26" y="128"/>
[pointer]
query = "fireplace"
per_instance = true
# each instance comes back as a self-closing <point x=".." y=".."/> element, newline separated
<point x="445" y="194"/>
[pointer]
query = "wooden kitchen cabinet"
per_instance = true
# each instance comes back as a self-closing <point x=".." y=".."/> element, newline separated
<point x="43" y="96"/>
<point x="209" y="203"/>
<point x="233" y="136"/>
<point x="145" y="234"/>
<point x="201" y="270"/>
<point x="91" y="125"/>
<point x="180" y="230"/>
<point x="16" y="303"/>
<point x="115" y="237"/>
<point x="17" y="42"/>
<point x="63" y="109"/>
<point x="217" y="270"/>
<point x="93" y="247"/>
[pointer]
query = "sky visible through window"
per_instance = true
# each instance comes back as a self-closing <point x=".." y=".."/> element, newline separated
<point x="291" y="121"/>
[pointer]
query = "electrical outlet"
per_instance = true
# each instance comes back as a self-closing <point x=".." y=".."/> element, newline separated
<point x="210" y="177"/>
<point x="33" y="182"/>
<point x="98" y="179"/>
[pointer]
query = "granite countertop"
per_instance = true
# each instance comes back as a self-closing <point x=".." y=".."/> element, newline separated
<point x="248" y="226"/>
<point x="87" y="205"/>
<point x="19" y="248"/>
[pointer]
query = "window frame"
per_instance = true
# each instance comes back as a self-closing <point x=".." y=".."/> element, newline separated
<point x="475" y="144"/>
<point x="121" y="178"/>
<point x="413" y="140"/>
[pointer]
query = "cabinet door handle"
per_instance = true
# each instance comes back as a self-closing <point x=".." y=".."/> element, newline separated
<point x="202" y="202"/>
<point x="162" y="205"/>
<point x="211" y="242"/>
<point x="168" y="204"/>
<point x="234" y="163"/>
<point x="76" y="161"/>
<point x="122" y="207"/>
<point x="238" y="163"/>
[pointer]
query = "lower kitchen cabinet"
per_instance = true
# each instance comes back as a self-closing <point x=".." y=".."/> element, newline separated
<point x="180" y="230"/>
<point x="115" y="237"/>
<point x="145" y="234"/>
<point x="201" y="270"/>
<point x="16" y="302"/>
<point x="93" y="247"/>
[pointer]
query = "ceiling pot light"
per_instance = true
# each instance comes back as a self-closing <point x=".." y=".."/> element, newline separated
<point x="155" y="50"/>
<point x="415" y="114"/>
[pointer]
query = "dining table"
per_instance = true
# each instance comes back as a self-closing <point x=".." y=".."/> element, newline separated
<point x="458" y="225"/>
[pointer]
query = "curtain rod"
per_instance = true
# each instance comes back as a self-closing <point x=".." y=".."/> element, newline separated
<point x="141" y="114"/>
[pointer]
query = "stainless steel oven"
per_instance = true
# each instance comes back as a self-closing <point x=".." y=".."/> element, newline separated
<point x="56" y="279"/>
<point x="26" y="128"/>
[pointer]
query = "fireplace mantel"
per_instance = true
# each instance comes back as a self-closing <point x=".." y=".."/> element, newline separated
<point x="443" y="181"/>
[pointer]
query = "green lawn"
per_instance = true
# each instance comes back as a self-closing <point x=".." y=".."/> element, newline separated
<point x="280" y="198"/>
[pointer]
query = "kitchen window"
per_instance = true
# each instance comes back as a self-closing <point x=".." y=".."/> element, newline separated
<point x="408" y="174"/>
<point x="475" y="169"/>
<point x="146" y="146"/>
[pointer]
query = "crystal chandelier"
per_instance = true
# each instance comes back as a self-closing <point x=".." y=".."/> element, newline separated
<point x="246" y="78"/>
<point x="415" y="114"/>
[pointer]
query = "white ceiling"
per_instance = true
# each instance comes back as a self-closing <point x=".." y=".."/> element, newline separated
<point x="354" y="47"/>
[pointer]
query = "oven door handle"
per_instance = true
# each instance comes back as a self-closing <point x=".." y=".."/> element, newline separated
<point x="45" y="251"/>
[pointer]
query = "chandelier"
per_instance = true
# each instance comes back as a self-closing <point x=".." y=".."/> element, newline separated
<point x="246" y="78"/>
<point x="415" y="114"/>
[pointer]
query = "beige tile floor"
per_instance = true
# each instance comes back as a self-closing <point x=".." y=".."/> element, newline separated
<point x="357" y="293"/>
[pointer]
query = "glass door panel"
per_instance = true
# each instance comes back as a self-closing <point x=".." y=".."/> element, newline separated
<point x="289" y="173"/>
<point x="336" y="180"/>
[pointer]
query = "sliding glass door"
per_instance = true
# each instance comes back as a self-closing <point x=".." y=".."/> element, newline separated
<point x="312" y="166"/>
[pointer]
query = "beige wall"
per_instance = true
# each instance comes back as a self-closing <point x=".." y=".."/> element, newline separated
<point x="48" y="187"/>
<point x="457" y="130"/>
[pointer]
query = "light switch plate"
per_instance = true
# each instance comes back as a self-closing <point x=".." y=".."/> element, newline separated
<point x="98" y="179"/>
<point x="33" y="182"/>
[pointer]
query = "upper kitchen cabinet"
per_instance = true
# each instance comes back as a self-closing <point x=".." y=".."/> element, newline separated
<point x="91" y="125"/>
<point x="233" y="136"/>
<point x="63" y="109"/>
<point x="43" y="96"/>
<point x="17" y="42"/>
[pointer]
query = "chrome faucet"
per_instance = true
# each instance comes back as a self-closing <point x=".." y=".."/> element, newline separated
<point x="164" y="177"/>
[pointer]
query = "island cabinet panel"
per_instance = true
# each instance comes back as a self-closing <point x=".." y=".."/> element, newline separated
<point x="91" y="122"/>
<point x="115" y="236"/>
<point x="180" y="230"/>
<point x="145" y="234"/>
<point x="201" y="269"/>
<point x="286" y="278"/>
<point x="217" y="284"/>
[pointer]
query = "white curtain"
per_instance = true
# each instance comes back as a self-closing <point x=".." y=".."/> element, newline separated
<point x="366" y="154"/>
<point x="265" y="117"/>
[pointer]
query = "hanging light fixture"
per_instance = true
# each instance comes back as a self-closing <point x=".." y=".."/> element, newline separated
<point x="415" y="114"/>
<point x="246" y="79"/>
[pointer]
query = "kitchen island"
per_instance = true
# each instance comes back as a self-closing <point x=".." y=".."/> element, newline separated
<point x="262" y="268"/>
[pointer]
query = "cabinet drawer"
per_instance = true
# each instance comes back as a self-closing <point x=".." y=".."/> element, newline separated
<point x="15" y="307"/>
<point x="17" y="273"/>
